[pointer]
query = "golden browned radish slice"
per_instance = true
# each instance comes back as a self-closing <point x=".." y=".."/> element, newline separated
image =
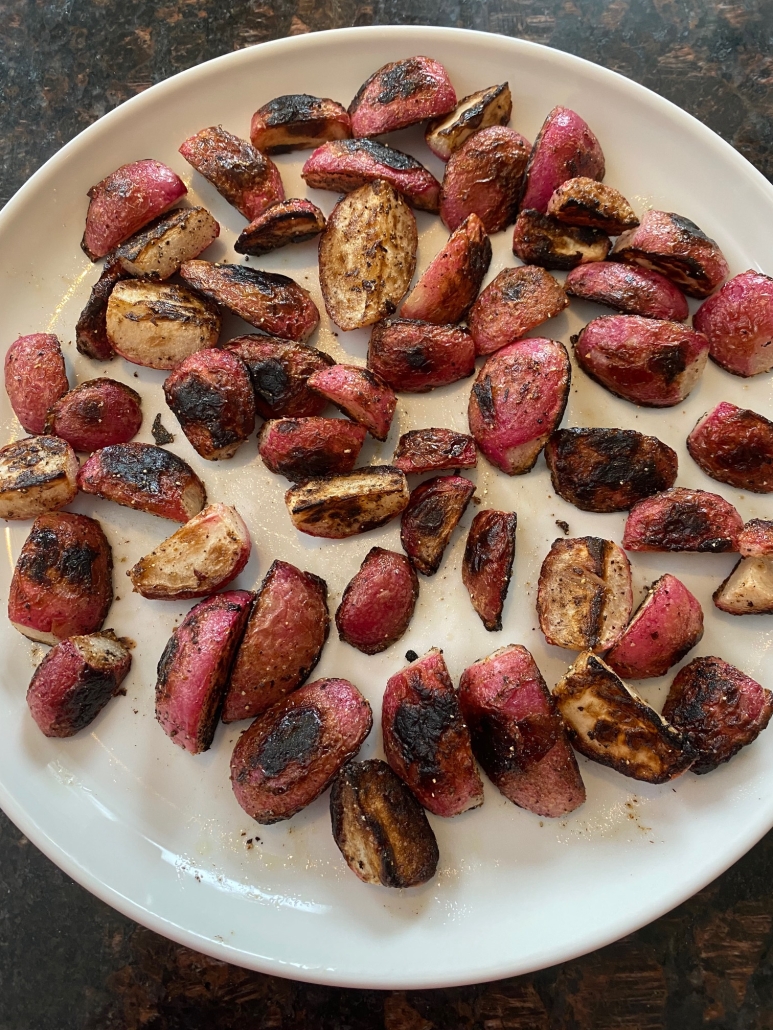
<point x="298" y="121"/>
<point x="748" y="590"/>
<point x="583" y="201"/>
<point x="542" y="240"/>
<point x="37" y="474"/>
<point x="159" y="250"/>
<point x="492" y="106"/>
<point x="341" y="506"/>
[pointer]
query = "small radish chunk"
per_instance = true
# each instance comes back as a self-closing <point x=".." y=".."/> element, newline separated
<point x="426" y="740"/>
<point x="285" y="634"/>
<point x="339" y="506"/>
<point x="75" y="681"/>
<point x="735" y="446"/>
<point x="738" y="321"/>
<point x="610" y="724"/>
<point x="380" y="828"/>
<point x="159" y="250"/>
<point x="360" y="394"/>
<point x="301" y="448"/>
<point x="519" y="299"/>
<point x="91" y="337"/>
<point x="564" y="149"/>
<point x="377" y="605"/>
<point x="748" y="590"/>
<point x="246" y="178"/>
<point x="756" y="539"/>
<point x="628" y="288"/>
<point x="492" y="106"/>
<point x="446" y="290"/>
<point x="292" y="752"/>
<point x="518" y="399"/>
<point x="297" y="121"/>
<point x="211" y="396"/>
<point x="683" y="520"/>
<point x="280" y="371"/>
<point x="399" y="94"/>
<point x="667" y="624"/>
<point x="127" y="200"/>
<point x="517" y="734"/>
<point x="541" y="240"/>
<point x="488" y="563"/>
<point x="484" y="177"/>
<point x="431" y="450"/>
<point x="289" y="221"/>
<point x="37" y="474"/>
<point x="415" y="357"/>
<point x="203" y="556"/>
<point x="584" y="597"/>
<point x="148" y="478"/>
<point x="433" y="513"/>
<point x="62" y="585"/>
<point x="193" y="669"/>
<point x="35" y="378"/>
<point x="719" y="710"/>
<point x="98" y="413"/>
<point x="584" y="201"/>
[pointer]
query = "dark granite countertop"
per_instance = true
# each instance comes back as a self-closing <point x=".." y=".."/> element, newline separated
<point x="67" y="961"/>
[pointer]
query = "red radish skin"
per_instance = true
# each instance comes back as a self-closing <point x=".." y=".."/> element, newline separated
<point x="484" y="177"/>
<point x="280" y="371"/>
<point x="431" y="450"/>
<point x="377" y="605"/>
<point x="519" y="299"/>
<point x="400" y="94"/>
<point x="735" y="446"/>
<point x="300" y="448"/>
<point x="683" y="520"/>
<point x="359" y="393"/>
<point x="35" y="378"/>
<point x="629" y="289"/>
<point x="738" y="322"/>
<point x="584" y="201"/>
<point x="414" y="357"/>
<point x="488" y="563"/>
<point x="564" y="149"/>
<point x="756" y="539"/>
<point x="98" y="413"/>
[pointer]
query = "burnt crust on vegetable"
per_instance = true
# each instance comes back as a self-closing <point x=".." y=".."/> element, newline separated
<point x="289" y="221"/>
<point x="91" y="337"/>
<point x="683" y="520"/>
<point x="492" y="106"/>
<point x="433" y="513"/>
<point x="280" y="371"/>
<point x="734" y="445"/>
<point x="430" y="450"/>
<point x="488" y="563"/>
<point x="541" y="240"/>
<point x="298" y="121"/>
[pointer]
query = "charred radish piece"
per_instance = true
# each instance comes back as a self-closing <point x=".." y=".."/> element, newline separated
<point x="75" y="681"/>
<point x="492" y="106"/>
<point x="610" y="724"/>
<point x="378" y="603"/>
<point x="159" y="250"/>
<point x="246" y="178"/>
<point x="341" y="506"/>
<point x="541" y="240"/>
<point x="35" y="378"/>
<point x="285" y="634"/>
<point x="517" y="733"/>
<point x="675" y="247"/>
<point x="430" y="450"/>
<point x="358" y="393"/>
<point x="62" y="585"/>
<point x="628" y="288"/>
<point x="738" y="321"/>
<point x="193" y="669"/>
<point x="488" y="563"/>
<point x="292" y="752"/>
<point x="608" y="469"/>
<point x="273" y="303"/>
<point x="380" y="828"/>
<point x="584" y="201"/>
<point x="203" y="556"/>
<point x="127" y="200"/>
<point x="301" y="448"/>
<point x="401" y="93"/>
<point x="415" y="357"/>
<point x="719" y="710"/>
<point x="683" y="520"/>
<point x="643" y="360"/>
<point x="748" y="590"/>
<point x="433" y="513"/>
<point x="446" y="290"/>
<point x="91" y="337"/>
<point x="668" y="624"/>
<point x="289" y="221"/>
<point x="564" y="149"/>
<point x="280" y="371"/>
<point x="517" y="401"/>
<point x="584" y="598"/>
<point x="148" y="478"/>
<point x="298" y="121"/>
<point x="756" y="539"/>
<point x="211" y="396"/>
<point x="96" y="414"/>
<point x="37" y="474"/>
<point x="484" y="177"/>
<point x="519" y="299"/>
<point x="367" y="255"/>
<point x="426" y="740"/>
<point x="735" y="446"/>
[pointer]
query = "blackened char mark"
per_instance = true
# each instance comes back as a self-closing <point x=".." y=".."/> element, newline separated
<point x="198" y="402"/>
<point x="688" y="230"/>
<point x="404" y="80"/>
<point x="420" y="728"/>
<point x="484" y="395"/>
<point x="165" y="663"/>
<point x="380" y="153"/>
<point x="267" y="283"/>
<point x="295" y="107"/>
<point x="76" y="564"/>
<point x="503" y="745"/>
<point x="669" y="362"/>
<point x="142" y="467"/>
<point x="294" y="739"/>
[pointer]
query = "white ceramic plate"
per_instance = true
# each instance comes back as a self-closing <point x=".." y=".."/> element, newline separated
<point x="156" y="832"/>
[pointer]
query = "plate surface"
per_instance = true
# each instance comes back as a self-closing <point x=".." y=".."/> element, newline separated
<point x="156" y="832"/>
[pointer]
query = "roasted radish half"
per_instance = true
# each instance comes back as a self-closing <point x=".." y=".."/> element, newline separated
<point x="291" y="753"/>
<point x="75" y="681"/>
<point x="125" y="201"/>
<point x="735" y="446"/>
<point x="492" y="106"/>
<point x="610" y="724"/>
<point x="35" y="378"/>
<point x="211" y="396"/>
<point x="668" y="624"/>
<point x="378" y="603"/>
<point x="399" y="94"/>
<point x="98" y="413"/>
<point x="676" y="247"/>
<point x="647" y="361"/>
<point x="367" y="255"/>
<point x="380" y="828"/>
<point x="426" y="740"/>
<point x="683" y="520"/>
<point x="748" y="590"/>
<point x="608" y="469"/>
<point x="246" y="178"/>
<point x="433" y="513"/>
<point x="193" y="669"/>
<point x="205" y="554"/>
<point x="517" y="734"/>
<point x="280" y="371"/>
<point x="91" y="336"/>
<point x="301" y="448"/>
<point x="541" y="240"/>
<point x="298" y="121"/>
<point x="415" y="357"/>
<point x="738" y="322"/>
<point x="159" y="250"/>
<point x="488" y="563"/>
<point x="564" y="149"/>
<point x="756" y="539"/>
<point x="719" y="710"/>
<point x="285" y="634"/>
<point x="584" y="201"/>
<point x="148" y="478"/>
<point x="430" y="450"/>
<point x="584" y="598"/>
<point x="37" y="474"/>
<point x="628" y="288"/>
<point x="517" y="401"/>
<point x="62" y="585"/>
<point x="358" y="393"/>
<point x="484" y="177"/>
<point x="519" y="299"/>
<point x="289" y="221"/>
<point x="341" y="506"/>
